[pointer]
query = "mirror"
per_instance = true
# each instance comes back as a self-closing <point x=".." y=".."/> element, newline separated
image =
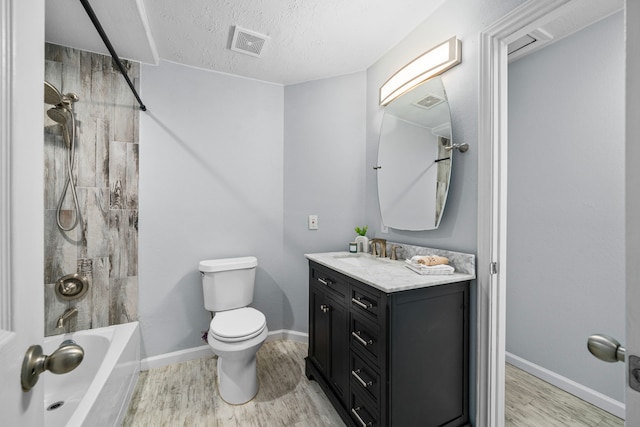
<point x="413" y="166"/>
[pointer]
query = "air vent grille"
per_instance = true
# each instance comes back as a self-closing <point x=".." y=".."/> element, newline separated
<point x="428" y="102"/>
<point x="248" y="42"/>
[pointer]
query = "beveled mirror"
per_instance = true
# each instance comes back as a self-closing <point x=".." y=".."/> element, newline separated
<point x="414" y="167"/>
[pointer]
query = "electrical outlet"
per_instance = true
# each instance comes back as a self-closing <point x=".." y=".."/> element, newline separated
<point x="383" y="228"/>
<point x="313" y="222"/>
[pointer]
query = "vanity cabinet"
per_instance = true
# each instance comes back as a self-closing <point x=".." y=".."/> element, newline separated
<point x="389" y="359"/>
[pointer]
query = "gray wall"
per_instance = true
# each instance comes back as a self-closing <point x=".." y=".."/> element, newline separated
<point x="211" y="186"/>
<point x="104" y="245"/>
<point x="565" y="277"/>
<point x="324" y="162"/>
<point x="233" y="167"/>
<point x="464" y="19"/>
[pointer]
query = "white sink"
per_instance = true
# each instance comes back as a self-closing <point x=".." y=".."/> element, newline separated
<point x="359" y="260"/>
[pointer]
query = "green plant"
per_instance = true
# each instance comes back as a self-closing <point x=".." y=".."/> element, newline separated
<point x="362" y="231"/>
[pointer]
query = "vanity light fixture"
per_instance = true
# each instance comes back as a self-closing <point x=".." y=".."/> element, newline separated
<point x="430" y="64"/>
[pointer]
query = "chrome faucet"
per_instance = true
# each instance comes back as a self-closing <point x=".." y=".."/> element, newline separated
<point x="383" y="247"/>
<point x="65" y="316"/>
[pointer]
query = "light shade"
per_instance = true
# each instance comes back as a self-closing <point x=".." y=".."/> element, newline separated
<point x="431" y="63"/>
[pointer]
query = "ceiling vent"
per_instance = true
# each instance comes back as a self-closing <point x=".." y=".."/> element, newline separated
<point x="248" y="42"/>
<point x="428" y="102"/>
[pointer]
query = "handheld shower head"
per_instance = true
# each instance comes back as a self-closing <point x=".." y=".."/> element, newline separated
<point x="58" y="114"/>
<point x="52" y="95"/>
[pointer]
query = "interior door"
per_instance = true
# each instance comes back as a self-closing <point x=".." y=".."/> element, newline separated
<point x="632" y="171"/>
<point x="21" y="204"/>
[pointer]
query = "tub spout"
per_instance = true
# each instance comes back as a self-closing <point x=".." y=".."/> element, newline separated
<point x="65" y="316"/>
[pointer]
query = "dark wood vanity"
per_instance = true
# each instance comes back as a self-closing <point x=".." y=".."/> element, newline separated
<point x="389" y="358"/>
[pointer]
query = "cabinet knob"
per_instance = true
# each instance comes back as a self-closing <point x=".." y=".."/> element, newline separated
<point x="325" y="308"/>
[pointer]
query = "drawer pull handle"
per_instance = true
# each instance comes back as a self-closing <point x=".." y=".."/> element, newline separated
<point x="357" y="336"/>
<point x="354" y="411"/>
<point x="324" y="281"/>
<point x="360" y="380"/>
<point x="325" y="308"/>
<point x="358" y="301"/>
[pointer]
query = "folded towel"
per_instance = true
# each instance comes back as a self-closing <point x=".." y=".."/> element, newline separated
<point x="429" y="260"/>
<point x="426" y="269"/>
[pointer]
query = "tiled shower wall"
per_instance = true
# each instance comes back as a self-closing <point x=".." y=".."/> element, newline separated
<point x="104" y="246"/>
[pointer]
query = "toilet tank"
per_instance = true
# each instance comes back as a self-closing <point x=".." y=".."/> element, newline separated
<point x="228" y="283"/>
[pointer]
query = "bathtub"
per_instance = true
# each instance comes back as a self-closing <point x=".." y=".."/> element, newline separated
<point x="98" y="391"/>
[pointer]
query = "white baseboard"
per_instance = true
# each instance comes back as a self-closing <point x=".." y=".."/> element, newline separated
<point x="205" y="351"/>
<point x="585" y="393"/>
<point x="287" y="335"/>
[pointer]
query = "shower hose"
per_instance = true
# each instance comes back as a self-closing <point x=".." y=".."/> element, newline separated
<point x="70" y="142"/>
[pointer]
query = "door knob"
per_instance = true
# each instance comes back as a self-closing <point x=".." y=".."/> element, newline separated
<point x="65" y="359"/>
<point x="606" y="348"/>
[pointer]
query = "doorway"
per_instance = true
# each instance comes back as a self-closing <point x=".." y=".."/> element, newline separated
<point x="565" y="220"/>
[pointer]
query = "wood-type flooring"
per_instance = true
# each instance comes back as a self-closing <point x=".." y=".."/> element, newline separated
<point x="185" y="395"/>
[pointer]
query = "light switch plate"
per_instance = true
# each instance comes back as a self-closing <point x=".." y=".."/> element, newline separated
<point x="313" y="222"/>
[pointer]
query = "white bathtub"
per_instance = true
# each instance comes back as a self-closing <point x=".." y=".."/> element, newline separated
<point x="96" y="393"/>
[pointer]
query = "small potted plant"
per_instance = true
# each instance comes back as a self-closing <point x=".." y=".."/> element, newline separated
<point x="361" y="239"/>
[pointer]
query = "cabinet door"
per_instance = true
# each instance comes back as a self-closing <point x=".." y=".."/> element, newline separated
<point x="328" y="342"/>
<point x="318" y="329"/>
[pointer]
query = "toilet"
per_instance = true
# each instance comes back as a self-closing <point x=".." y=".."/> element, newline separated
<point x="236" y="331"/>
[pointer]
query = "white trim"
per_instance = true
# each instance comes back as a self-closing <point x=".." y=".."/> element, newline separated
<point x="585" y="393"/>
<point x="6" y="43"/>
<point x="492" y="201"/>
<point x="175" y="357"/>
<point x="287" y="335"/>
<point x="205" y="351"/>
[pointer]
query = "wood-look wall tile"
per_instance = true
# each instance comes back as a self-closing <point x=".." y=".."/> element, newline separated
<point x="60" y="248"/>
<point x="106" y="176"/>
<point x="124" y="107"/>
<point x="123" y="242"/>
<point x="53" y="74"/>
<point x="124" y="300"/>
<point x="117" y="174"/>
<point x="55" y="170"/>
<point x="100" y="293"/>
<point x="85" y="148"/>
<point x="94" y="207"/>
<point x="132" y="176"/>
<point x="82" y="320"/>
<point x="102" y="152"/>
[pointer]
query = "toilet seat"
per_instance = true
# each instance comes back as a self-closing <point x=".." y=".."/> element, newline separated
<point x="237" y="325"/>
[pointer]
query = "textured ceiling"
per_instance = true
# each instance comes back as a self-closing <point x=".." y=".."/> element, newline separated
<point x="308" y="39"/>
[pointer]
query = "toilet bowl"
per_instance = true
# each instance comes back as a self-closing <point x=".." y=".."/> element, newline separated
<point x="236" y="331"/>
<point x="235" y="336"/>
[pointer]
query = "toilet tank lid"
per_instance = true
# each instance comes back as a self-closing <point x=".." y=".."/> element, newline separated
<point x="213" y="265"/>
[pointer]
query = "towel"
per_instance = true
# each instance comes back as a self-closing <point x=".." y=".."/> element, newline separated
<point x="430" y="260"/>
<point x="439" y="269"/>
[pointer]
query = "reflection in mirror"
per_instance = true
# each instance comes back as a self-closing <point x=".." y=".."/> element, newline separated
<point x="413" y="166"/>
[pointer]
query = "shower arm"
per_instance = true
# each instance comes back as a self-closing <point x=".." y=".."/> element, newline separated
<point x="114" y="55"/>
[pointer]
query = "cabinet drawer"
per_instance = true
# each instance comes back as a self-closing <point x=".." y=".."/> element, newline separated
<point x="363" y="412"/>
<point x="329" y="280"/>
<point x="365" y="378"/>
<point x="365" y="302"/>
<point x="364" y="337"/>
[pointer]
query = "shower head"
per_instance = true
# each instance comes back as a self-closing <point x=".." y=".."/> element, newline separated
<point x="58" y="114"/>
<point x="52" y="95"/>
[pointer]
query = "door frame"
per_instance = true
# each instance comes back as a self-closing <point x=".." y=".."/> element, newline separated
<point x="492" y="200"/>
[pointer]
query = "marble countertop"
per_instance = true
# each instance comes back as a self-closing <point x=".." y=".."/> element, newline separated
<point x="384" y="274"/>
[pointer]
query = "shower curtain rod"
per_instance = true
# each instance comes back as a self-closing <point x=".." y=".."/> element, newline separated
<point x="112" y="51"/>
